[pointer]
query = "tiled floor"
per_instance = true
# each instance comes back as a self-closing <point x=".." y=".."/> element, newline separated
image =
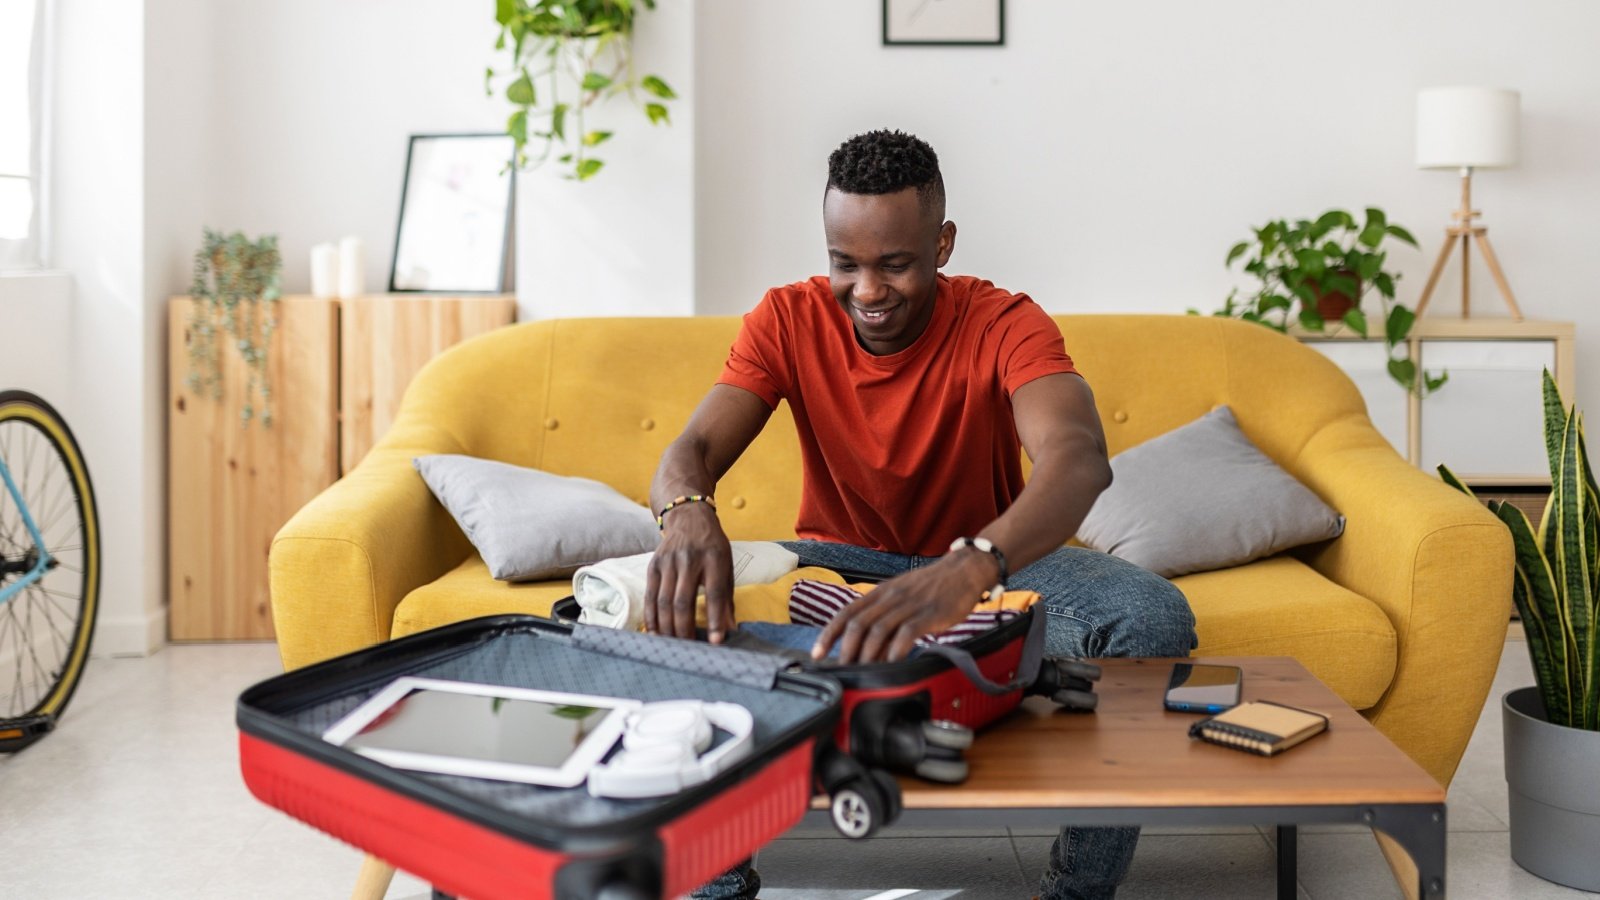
<point x="138" y="795"/>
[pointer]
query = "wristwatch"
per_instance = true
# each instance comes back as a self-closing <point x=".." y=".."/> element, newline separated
<point x="987" y="546"/>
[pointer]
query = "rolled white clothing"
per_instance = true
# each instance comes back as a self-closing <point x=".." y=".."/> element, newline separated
<point x="611" y="592"/>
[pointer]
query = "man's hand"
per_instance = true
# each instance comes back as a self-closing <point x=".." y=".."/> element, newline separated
<point x="884" y="623"/>
<point x="694" y="553"/>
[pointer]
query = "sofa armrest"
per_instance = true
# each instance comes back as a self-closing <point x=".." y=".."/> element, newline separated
<point x="342" y="564"/>
<point x="1437" y="563"/>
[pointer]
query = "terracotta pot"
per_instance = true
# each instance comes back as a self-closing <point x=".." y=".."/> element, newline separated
<point x="1333" y="305"/>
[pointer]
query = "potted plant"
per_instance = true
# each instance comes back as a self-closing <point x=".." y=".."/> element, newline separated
<point x="1319" y="272"/>
<point x="582" y="46"/>
<point x="1552" y="730"/>
<point x="235" y="303"/>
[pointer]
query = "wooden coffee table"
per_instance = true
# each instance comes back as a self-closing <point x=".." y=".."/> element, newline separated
<point x="1133" y="763"/>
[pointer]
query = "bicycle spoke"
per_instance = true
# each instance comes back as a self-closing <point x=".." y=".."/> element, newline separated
<point x="16" y="684"/>
<point x="52" y="541"/>
<point x="64" y="639"/>
<point x="55" y="508"/>
<point x="23" y="644"/>
<point x="33" y="651"/>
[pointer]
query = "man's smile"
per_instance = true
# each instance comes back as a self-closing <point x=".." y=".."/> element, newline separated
<point x="876" y="314"/>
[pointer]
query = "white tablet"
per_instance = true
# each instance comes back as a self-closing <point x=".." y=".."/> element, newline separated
<point x="484" y="731"/>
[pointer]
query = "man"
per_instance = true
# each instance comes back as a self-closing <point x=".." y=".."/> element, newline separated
<point x="913" y="394"/>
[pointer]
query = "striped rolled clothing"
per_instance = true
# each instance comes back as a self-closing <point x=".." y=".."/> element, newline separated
<point x="817" y="602"/>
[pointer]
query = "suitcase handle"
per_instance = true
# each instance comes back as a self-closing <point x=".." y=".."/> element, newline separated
<point x="1027" y="668"/>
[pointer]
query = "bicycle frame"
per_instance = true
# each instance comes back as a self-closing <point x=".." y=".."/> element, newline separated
<point x="40" y="565"/>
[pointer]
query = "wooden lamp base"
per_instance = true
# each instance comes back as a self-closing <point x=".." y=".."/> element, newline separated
<point x="1466" y="233"/>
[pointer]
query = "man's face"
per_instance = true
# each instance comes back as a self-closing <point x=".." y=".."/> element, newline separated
<point x="884" y="251"/>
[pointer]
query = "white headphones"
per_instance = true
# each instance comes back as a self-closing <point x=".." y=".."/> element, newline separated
<point x="661" y="748"/>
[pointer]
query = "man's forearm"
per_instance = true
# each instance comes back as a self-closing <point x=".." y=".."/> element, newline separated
<point x="1062" y="488"/>
<point x="683" y="470"/>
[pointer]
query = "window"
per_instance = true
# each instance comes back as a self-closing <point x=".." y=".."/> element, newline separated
<point x="21" y="132"/>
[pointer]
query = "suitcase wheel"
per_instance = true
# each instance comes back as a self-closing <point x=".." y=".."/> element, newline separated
<point x="1067" y="682"/>
<point x="944" y="771"/>
<point x="865" y="804"/>
<point x="1072" y="699"/>
<point x="948" y="734"/>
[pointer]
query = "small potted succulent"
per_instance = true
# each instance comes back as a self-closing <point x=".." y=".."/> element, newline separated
<point x="1317" y="273"/>
<point x="1552" y="730"/>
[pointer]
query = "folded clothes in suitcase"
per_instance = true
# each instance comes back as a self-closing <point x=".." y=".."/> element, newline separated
<point x="487" y="839"/>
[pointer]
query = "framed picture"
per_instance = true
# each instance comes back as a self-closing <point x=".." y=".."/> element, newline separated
<point x="944" y="22"/>
<point x="455" y="215"/>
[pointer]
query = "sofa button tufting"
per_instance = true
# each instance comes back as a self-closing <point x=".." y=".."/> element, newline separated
<point x="551" y="424"/>
<point x="1119" y="416"/>
<point x="648" y="424"/>
<point x="738" y="503"/>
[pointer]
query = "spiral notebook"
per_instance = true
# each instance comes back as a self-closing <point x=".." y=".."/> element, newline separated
<point x="1260" y="727"/>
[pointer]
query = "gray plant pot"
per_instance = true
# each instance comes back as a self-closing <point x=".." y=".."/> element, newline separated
<point x="1553" y="773"/>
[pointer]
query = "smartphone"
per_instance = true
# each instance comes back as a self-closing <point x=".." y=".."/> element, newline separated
<point x="1198" y="688"/>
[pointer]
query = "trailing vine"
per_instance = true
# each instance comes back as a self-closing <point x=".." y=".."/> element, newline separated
<point x="585" y="46"/>
<point x="235" y="293"/>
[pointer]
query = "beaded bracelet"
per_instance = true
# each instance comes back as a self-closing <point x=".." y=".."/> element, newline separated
<point x="707" y="499"/>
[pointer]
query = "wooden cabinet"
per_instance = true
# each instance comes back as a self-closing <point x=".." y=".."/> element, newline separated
<point x="338" y="369"/>
<point x="1486" y="423"/>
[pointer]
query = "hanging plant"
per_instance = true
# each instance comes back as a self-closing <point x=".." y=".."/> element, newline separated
<point x="584" y="46"/>
<point x="235" y="293"/>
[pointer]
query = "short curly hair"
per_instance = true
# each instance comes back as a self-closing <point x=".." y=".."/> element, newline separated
<point x="884" y="162"/>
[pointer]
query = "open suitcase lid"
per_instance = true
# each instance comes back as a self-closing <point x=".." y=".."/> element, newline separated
<point x="294" y="709"/>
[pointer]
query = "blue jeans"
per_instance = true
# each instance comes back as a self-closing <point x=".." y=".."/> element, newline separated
<point x="1096" y="606"/>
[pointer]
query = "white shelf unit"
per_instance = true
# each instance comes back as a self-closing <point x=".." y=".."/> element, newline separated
<point x="1486" y="423"/>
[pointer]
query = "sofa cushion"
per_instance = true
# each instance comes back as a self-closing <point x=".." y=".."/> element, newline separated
<point x="1282" y="607"/>
<point x="467" y="592"/>
<point x="1203" y="497"/>
<point x="530" y="525"/>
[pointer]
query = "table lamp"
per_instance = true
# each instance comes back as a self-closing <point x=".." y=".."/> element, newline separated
<point x="1467" y="128"/>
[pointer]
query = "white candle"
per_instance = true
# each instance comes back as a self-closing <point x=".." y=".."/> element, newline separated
<point x="352" y="269"/>
<point x="324" y="271"/>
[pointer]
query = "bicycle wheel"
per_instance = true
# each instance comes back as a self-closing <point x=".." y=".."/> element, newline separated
<point x="47" y="611"/>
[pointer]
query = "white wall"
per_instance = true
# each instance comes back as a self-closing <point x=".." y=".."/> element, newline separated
<point x="99" y="238"/>
<point x="621" y="243"/>
<point x="180" y="153"/>
<point x="1108" y="155"/>
<point x="315" y="102"/>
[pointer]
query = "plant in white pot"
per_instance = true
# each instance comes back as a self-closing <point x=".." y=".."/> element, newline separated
<point x="1552" y="730"/>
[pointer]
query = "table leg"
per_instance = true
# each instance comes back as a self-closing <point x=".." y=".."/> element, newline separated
<point x="1287" y="845"/>
<point x="1421" y="831"/>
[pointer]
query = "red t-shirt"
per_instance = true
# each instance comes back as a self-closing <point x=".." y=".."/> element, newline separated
<point x="910" y="451"/>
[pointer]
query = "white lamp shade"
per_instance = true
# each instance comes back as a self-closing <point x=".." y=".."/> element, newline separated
<point x="1462" y="127"/>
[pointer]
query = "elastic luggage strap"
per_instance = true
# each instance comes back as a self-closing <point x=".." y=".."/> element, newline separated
<point x="757" y="670"/>
<point x="1027" y="668"/>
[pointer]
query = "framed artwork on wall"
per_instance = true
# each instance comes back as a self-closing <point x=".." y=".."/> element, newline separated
<point x="944" y="23"/>
<point x="455" y="215"/>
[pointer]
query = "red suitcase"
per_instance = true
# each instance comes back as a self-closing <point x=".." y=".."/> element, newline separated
<point x="490" y="839"/>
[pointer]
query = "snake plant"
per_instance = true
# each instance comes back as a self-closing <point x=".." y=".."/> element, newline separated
<point x="1557" y="581"/>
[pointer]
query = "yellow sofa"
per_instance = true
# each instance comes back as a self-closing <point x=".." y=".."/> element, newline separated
<point x="1403" y="616"/>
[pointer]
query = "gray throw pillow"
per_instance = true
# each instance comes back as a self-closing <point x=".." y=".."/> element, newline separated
<point x="1202" y="497"/>
<point x="530" y="525"/>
